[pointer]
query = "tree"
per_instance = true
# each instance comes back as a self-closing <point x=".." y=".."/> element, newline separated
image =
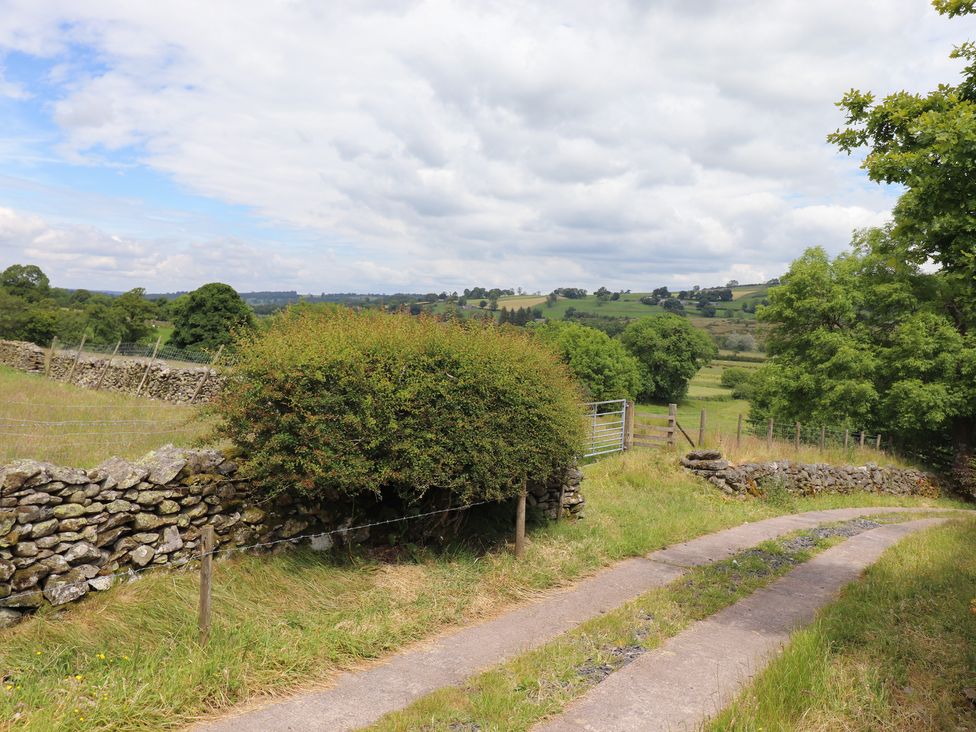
<point x="602" y="365"/>
<point x="739" y="342"/>
<point x="866" y="341"/>
<point x="670" y="352"/>
<point x="732" y="283"/>
<point x="925" y="143"/>
<point x="26" y="281"/>
<point x="673" y="305"/>
<point x="209" y="317"/>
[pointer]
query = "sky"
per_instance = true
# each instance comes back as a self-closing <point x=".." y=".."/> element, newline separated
<point x="400" y="145"/>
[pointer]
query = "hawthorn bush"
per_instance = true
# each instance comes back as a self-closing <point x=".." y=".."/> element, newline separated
<point x="330" y="404"/>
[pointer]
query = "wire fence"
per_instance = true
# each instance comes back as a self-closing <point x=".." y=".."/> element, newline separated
<point x="133" y="573"/>
<point x="153" y="350"/>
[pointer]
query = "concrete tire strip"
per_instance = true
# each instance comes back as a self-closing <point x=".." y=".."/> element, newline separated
<point x="698" y="672"/>
<point x="358" y="698"/>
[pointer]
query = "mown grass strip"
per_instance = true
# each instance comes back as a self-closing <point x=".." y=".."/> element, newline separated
<point x="896" y="652"/>
<point x="538" y="684"/>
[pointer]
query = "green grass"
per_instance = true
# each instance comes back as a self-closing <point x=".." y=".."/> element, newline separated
<point x="47" y="420"/>
<point x="286" y="621"/>
<point x="896" y="652"/>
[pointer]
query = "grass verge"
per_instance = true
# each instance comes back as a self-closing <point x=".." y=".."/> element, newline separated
<point x="128" y="658"/>
<point x="896" y="652"/>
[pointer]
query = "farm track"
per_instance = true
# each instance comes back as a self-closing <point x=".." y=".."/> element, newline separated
<point x="357" y="699"/>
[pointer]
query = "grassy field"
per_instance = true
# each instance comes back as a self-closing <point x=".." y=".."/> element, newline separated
<point x="896" y="652"/>
<point x="47" y="420"/>
<point x="129" y="658"/>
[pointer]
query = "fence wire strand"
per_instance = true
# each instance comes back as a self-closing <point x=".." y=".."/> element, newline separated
<point x="132" y="573"/>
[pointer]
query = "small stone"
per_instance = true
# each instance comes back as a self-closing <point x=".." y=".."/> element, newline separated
<point x="150" y="498"/>
<point x="100" y="583"/>
<point x="9" y="617"/>
<point x="73" y="524"/>
<point x="171" y="540"/>
<point x="146" y="522"/>
<point x="77" y="497"/>
<point x="253" y="515"/>
<point x="119" y="505"/>
<point x="69" y="510"/>
<point x="32" y="514"/>
<point x="82" y="552"/>
<point x="30" y="598"/>
<point x="44" y="528"/>
<point x="65" y="588"/>
<point x="167" y="507"/>
<point x="321" y="543"/>
<point x="25" y="549"/>
<point x="142" y="555"/>
<point x="7" y="569"/>
<point x="27" y="577"/>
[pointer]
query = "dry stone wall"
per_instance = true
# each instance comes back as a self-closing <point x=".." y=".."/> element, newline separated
<point x="66" y="532"/>
<point x="755" y="479"/>
<point x="164" y="382"/>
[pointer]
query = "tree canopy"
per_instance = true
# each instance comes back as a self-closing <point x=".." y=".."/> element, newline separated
<point x="209" y="317"/>
<point x="602" y="365"/>
<point x="670" y="352"/>
<point x="883" y="337"/>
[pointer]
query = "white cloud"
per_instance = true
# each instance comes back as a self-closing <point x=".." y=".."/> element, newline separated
<point x="442" y="144"/>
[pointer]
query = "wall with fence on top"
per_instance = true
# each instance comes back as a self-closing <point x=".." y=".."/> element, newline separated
<point x="65" y="532"/>
<point x="139" y="372"/>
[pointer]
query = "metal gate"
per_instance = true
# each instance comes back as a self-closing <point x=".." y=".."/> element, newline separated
<point x="607" y="423"/>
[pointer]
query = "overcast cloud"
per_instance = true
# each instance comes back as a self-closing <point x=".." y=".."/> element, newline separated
<point x="416" y="145"/>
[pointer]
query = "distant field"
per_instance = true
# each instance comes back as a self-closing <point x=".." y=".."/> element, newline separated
<point x="521" y="301"/>
<point x="46" y="420"/>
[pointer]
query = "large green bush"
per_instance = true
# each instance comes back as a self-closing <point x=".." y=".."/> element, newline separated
<point x="603" y="365"/>
<point x="670" y="351"/>
<point x="329" y="403"/>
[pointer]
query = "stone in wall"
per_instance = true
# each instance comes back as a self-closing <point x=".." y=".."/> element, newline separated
<point x="807" y="479"/>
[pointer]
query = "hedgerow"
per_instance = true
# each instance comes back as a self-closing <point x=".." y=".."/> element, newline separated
<point x="330" y="403"/>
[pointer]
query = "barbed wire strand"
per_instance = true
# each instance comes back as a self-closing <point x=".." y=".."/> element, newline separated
<point x="130" y="573"/>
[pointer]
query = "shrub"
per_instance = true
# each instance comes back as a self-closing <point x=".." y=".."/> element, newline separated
<point x="603" y="366"/>
<point x="329" y="403"/>
<point x="732" y="377"/>
<point x="670" y="351"/>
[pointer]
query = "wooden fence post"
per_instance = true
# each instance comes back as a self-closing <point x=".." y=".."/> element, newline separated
<point x="701" y="430"/>
<point x="628" y="424"/>
<point x="738" y="433"/>
<point x="847" y="437"/>
<point x="823" y="437"/>
<point x="206" y="374"/>
<point x="101" y="376"/>
<point x="74" y="363"/>
<point x="206" y="579"/>
<point x="520" y="522"/>
<point x="861" y="441"/>
<point x="152" y="360"/>
<point x="769" y="435"/>
<point x="796" y="439"/>
<point x="50" y="356"/>
<point x="877" y="442"/>
<point x="672" y="425"/>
